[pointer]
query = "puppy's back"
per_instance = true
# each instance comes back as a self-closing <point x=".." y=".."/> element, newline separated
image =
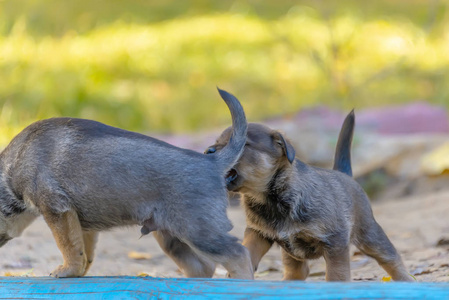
<point x="93" y="167"/>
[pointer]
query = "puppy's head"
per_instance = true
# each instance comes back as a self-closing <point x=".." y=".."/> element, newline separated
<point x="266" y="151"/>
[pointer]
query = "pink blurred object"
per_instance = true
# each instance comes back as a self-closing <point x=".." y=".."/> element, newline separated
<point x="416" y="117"/>
<point x="321" y="117"/>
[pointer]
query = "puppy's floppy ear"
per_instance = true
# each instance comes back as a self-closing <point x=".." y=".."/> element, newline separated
<point x="287" y="148"/>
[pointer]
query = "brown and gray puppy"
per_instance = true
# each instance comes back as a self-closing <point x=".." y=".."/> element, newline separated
<point x="84" y="177"/>
<point x="310" y="212"/>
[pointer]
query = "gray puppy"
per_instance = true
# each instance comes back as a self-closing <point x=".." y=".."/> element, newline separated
<point x="84" y="177"/>
<point x="310" y="212"/>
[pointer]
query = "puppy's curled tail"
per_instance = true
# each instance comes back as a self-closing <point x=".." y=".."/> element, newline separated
<point x="229" y="155"/>
<point x="342" y="161"/>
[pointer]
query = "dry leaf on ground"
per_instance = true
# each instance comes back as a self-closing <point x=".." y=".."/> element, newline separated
<point x="139" y="255"/>
<point x="20" y="274"/>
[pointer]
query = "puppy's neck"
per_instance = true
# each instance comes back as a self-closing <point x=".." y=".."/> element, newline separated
<point x="282" y="198"/>
<point x="283" y="184"/>
<point x="281" y="188"/>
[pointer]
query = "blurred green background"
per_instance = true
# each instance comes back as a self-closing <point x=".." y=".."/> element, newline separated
<point x="152" y="66"/>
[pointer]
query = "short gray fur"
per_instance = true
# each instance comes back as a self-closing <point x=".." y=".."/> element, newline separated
<point x="113" y="177"/>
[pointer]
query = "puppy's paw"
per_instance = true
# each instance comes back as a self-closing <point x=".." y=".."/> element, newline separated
<point x="67" y="271"/>
<point x="229" y="275"/>
<point x="88" y="264"/>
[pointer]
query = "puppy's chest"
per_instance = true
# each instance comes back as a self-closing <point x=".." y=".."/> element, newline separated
<point x="297" y="240"/>
<point x="276" y="215"/>
<point x="287" y="225"/>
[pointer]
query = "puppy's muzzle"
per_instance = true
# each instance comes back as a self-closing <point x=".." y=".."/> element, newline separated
<point x="4" y="239"/>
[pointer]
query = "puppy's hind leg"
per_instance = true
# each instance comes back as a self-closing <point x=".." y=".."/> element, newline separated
<point x="90" y="239"/>
<point x="373" y="241"/>
<point x="226" y="250"/>
<point x="223" y="249"/>
<point x="205" y="226"/>
<point x="67" y="232"/>
<point x="294" y="269"/>
<point x="187" y="260"/>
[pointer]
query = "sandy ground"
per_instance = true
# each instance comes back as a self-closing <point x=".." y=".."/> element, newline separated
<point x="414" y="224"/>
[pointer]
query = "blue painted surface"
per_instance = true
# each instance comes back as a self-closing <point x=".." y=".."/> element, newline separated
<point x="181" y="288"/>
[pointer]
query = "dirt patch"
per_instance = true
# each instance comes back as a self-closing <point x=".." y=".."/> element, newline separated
<point x="416" y="225"/>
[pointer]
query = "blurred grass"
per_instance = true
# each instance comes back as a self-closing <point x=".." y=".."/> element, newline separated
<point x="154" y="65"/>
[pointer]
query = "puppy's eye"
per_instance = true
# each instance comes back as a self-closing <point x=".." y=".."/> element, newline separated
<point x="210" y="150"/>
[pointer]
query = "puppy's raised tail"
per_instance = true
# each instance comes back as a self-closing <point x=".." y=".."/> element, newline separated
<point x="229" y="155"/>
<point x="342" y="160"/>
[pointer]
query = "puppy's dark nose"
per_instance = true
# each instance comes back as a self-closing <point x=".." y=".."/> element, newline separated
<point x="231" y="176"/>
<point x="210" y="150"/>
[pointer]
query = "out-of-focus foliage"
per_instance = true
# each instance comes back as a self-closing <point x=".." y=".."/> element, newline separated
<point x="153" y="65"/>
<point x="437" y="161"/>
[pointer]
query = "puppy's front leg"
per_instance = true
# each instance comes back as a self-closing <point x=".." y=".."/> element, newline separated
<point x="67" y="232"/>
<point x="90" y="240"/>
<point x="257" y="245"/>
<point x="294" y="269"/>
<point x="337" y="264"/>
